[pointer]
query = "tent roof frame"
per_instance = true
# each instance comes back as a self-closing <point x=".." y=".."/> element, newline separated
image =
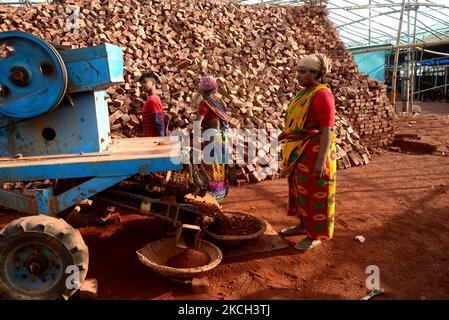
<point x="431" y="22"/>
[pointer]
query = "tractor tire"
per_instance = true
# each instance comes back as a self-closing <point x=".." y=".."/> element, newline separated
<point x="41" y="258"/>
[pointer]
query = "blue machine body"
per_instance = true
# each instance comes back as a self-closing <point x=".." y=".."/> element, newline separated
<point x="83" y="127"/>
<point x="66" y="129"/>
<point x="93" y="69"/>
<point x="72" y="138"/>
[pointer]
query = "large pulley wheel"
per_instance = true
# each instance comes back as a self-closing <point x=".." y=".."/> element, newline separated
<point x="33" y="77"/>
<point x="41" y="258"/>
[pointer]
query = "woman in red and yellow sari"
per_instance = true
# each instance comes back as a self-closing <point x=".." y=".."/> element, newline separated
<point x="309" y="155"/>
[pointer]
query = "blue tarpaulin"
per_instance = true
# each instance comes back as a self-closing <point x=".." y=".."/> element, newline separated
<point x="371" y="63"/>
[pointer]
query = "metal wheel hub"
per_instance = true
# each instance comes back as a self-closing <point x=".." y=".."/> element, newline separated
<point x="33" y="77"/>
<point x="34" y="267"/>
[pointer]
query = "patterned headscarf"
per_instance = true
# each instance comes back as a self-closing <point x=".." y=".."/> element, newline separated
<point x="317" y="62"/>
<point x="208" y="83"/>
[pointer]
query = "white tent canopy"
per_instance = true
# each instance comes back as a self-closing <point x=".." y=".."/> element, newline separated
<point x="373" y="22"/>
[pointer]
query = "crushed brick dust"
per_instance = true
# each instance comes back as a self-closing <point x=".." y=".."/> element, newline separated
<point x="221" y="224"/>
<point x="188" y="258"/>
<point x="234" y="226"/>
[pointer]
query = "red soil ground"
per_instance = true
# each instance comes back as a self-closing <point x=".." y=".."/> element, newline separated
<point x="399" y="203"/>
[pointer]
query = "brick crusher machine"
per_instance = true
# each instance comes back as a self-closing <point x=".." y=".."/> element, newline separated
<point x="54" y="125"/>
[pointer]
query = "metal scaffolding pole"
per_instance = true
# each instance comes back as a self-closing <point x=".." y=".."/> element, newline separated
<point x="364" y="17"/>
<point x="396" y="56"/>
<point x="435" y="83"/>
<point x="369" y="26"/>
<point x="436" y="87"/>
<point x="372" y="16"/>
<point x="389" y="5"/>
<point x="413" y="63"/>
<point x="387" y="69"/>
<point x="428" y="16"/>
<point x="445" y="83"/>
<point x="435" y="52"/>
<point x="420" y="73"/>
<point x="407" y="66"/>
<point x="433" y="32"/>
<point x="404" y="46"/>
<point x="373" y="30"/>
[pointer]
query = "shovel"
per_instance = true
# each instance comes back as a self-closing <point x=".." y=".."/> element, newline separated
<point x="187" y="236"/>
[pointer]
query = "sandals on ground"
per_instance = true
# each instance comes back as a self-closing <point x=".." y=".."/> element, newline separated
<point x="307" y="244"/>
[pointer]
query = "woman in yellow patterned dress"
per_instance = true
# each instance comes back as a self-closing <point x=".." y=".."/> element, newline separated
<point x="309" y="155"/>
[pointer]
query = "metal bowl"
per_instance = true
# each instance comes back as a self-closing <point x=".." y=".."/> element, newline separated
<point x="233" y="240"/>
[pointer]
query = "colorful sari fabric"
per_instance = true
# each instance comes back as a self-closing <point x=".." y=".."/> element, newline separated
<point x="217" y="170"/>
<point x="217" y="106"/>
<point x="295" y="119"/>
<point x="312" y="200"/>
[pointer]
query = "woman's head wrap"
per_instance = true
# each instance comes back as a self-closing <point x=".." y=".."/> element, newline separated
<point x="208" y="83"/>
<point x="317" y="62"/>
